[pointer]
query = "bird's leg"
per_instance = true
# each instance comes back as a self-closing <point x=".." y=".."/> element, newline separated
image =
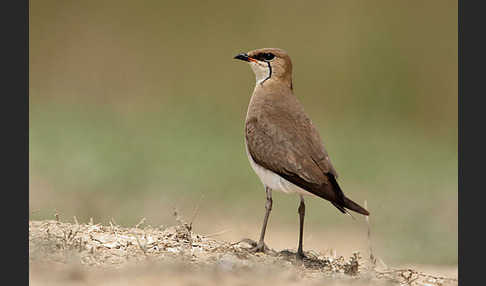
<point x="261" y="247"/>
<point x="301" y="211"/>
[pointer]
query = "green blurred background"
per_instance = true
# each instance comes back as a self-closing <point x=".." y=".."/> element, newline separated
<point x="137" y="108"/>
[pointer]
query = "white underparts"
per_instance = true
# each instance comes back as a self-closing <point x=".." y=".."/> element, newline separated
<point x="261" y="70"/>
<point x="273" y="180"/>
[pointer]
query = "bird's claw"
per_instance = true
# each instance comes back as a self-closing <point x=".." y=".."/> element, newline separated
<point x="259" y="248"/>
<point x="256" y="247"/>
<point x="300" y="256"/>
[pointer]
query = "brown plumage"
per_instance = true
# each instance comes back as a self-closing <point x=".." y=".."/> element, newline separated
<point x="281" y="139"/>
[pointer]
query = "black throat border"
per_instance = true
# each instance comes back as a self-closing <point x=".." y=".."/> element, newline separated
<point x="269" y="74"/>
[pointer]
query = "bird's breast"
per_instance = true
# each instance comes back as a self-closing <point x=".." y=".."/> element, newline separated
<point x="273" y="180"/>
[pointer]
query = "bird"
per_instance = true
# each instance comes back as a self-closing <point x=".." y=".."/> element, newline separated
<point x="283" y="146"/>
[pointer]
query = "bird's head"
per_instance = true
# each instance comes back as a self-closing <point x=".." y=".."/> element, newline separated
<point x="269" y="64"/>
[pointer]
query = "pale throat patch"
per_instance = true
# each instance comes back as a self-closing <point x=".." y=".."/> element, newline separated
<point x="261" y="70"/>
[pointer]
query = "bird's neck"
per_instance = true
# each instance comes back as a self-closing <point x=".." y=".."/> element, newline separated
<point x="274" y="83"/>
<point x="270" y="94"/>
<point x="265" y="75"/>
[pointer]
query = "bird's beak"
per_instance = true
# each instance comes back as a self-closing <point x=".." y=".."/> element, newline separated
<point x="244" y="57"/>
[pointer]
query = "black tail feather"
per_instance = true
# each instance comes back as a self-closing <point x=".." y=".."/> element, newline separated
<point x="343" y="201"/>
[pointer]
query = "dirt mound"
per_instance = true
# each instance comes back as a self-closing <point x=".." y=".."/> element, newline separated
<point x="68" y="254"/>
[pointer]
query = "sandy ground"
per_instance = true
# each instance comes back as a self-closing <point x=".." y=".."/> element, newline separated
<point x="95" y="254"/>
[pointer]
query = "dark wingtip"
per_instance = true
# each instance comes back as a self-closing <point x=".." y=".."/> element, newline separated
<point x="349" y="204"/>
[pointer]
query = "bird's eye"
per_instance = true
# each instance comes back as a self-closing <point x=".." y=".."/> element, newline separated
<point x="265" y="57"/>
<point x="268" y="56"/>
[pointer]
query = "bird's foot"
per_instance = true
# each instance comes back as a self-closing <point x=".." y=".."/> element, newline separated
<point x="256" y="247"/>
<point x="260" y="247"/>
<point x="300" y="255"/>
<point x="290" y="255"/>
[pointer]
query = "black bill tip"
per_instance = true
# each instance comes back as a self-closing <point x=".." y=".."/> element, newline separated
<point x="242" y="56"/>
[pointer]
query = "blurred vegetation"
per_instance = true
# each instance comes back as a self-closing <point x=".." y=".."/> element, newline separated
<point x="136" y="107"/>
